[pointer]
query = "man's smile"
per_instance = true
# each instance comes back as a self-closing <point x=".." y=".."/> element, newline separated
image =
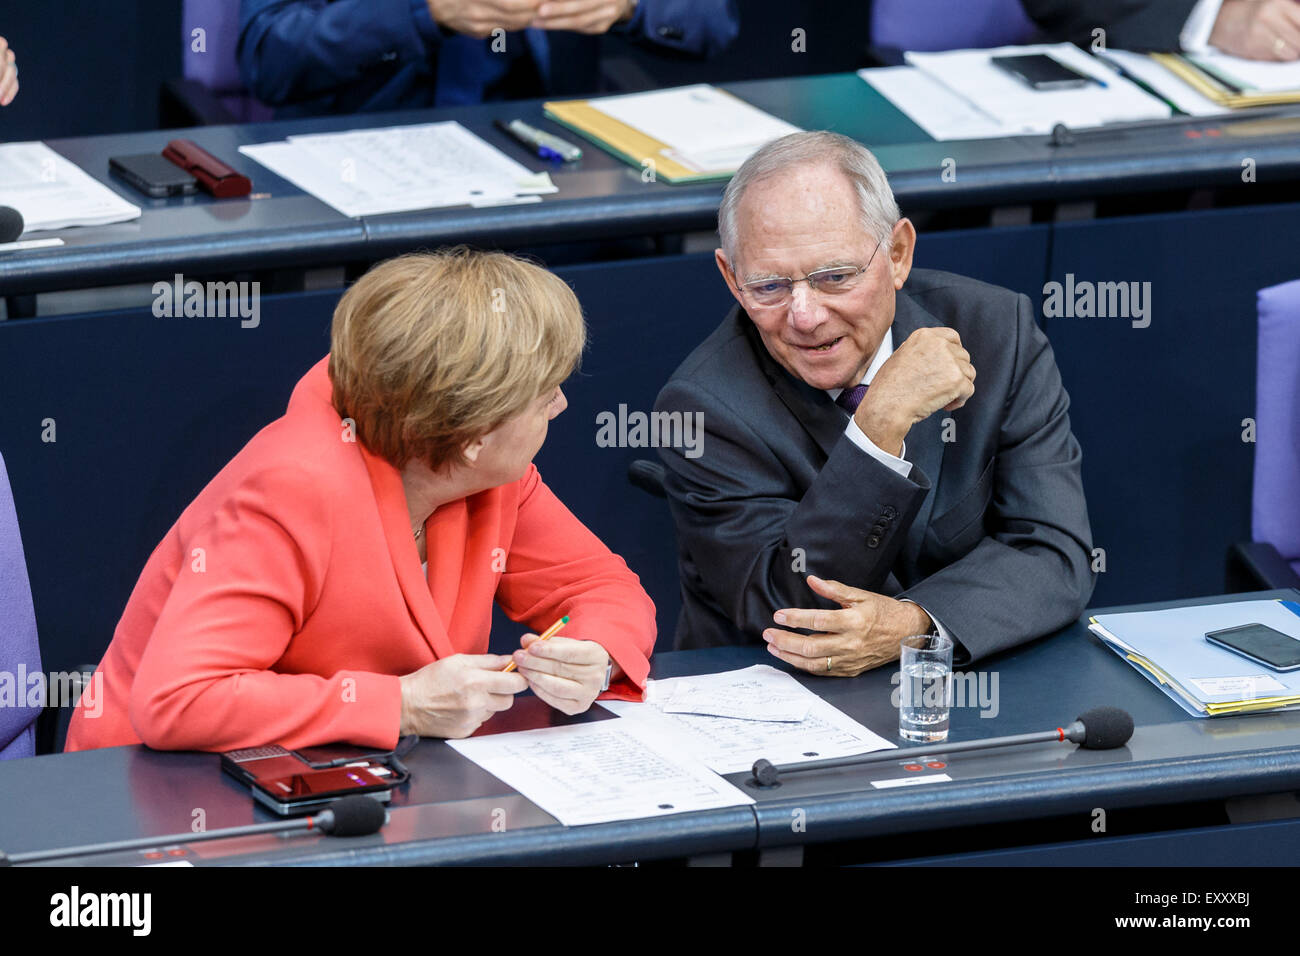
<point x="823" y="348"/>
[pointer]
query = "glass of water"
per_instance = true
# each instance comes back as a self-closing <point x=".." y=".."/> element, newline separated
<point x="925" y="688"/>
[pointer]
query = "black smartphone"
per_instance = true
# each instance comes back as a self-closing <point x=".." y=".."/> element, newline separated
<point x="1261" y="644"/>
<point x="153" y="175"/>
<point x="1042" y="72"/>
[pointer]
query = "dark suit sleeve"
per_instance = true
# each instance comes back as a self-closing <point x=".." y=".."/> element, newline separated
<point x="1129" y="24"/>
<point x="697" y="27"/>
<point x="1032" y="573"/>
<point x="292" y="50"/>
<point x="753" y="540"/>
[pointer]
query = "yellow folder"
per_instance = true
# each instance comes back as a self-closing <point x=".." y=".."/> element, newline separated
<point x="1207" y="85"/>
<point x="627" y="143"/>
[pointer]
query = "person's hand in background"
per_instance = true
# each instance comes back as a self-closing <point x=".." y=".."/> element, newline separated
<point x="582" y="16"/>
<point x="478" y="18"/>
<point x="1258" y="29"/>
<point x="8" y="73"/>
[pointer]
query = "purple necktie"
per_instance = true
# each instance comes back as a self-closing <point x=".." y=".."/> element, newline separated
<point x="851" y="398"/>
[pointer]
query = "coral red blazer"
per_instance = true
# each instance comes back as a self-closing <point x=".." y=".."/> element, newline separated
<point x="287" y="599"/>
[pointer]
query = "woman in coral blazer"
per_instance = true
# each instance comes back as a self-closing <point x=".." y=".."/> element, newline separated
<point x="289" y="604"/>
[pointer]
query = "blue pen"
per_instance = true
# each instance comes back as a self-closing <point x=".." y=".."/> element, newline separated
<point x="543" y="144"/>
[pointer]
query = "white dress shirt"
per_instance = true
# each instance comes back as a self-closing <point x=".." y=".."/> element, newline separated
<point x="1195" y="37"/>
<point x="856" y="434"/>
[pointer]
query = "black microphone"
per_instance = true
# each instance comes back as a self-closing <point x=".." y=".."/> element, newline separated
<point x="1101" y="728"/>
<point x="11" y="224"/>
<point x="357" y="815"/>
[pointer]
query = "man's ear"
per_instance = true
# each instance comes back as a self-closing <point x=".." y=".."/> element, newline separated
<point x="902" y="246"/>
<point x="727" y="276"/>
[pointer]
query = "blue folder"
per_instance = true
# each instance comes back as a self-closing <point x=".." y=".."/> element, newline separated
<point x="1169" y="648"/>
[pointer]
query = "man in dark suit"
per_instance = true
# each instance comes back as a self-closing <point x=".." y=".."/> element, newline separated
<point x="855" y="480"/>
<point x="1256" y="29"/>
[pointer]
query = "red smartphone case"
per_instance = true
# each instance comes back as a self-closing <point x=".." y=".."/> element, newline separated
<point x="213" y="175"/>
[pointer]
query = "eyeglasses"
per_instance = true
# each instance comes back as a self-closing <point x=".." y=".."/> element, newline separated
<point x="777" y="290"/>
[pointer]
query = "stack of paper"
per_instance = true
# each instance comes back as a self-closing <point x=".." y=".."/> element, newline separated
<point x="760" y="692"/>
<point x="599" y="772"/>
<point x="960" y="94"/>
<point x="52" y="193"/>
<point x="399" y="168"/>
<point x="1169" y="648"/>
<point x="1233" y="82"/>
<point x="665" y="756"/>
<point x="690" y="133"/>
<point x="732" y="744"/>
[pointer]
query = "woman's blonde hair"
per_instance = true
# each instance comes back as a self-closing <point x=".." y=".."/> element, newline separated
<point x="430" y="351"/>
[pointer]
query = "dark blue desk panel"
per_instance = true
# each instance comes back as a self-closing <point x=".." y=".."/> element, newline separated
<point x="447" y="812"/>
<point x="1247" y="844"/>
<point x="601" y="197"/>
<point x="1159" y="410"/>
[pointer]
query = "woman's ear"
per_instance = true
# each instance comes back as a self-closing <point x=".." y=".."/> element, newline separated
<point x="472" y="449"/>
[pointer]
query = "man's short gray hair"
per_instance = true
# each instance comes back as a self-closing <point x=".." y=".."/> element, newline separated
<point x="876" y="201"/>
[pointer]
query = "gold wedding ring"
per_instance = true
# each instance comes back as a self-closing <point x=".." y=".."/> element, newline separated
<point x="828" y="665"/>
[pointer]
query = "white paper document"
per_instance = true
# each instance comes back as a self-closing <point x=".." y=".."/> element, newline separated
<point x="728" y="745"/>
<point x="760" y="692"/>
<point x="702" y="126"/>
<point x="599" y="772"/>
<point x="931" y="105"/>
<point x="1167" y="84"/>
<point x="1254" y="76"/>
<point x="52" y="192"/>
<point x="370" y="172"/>
<point x="964" y="96"/>
<point x="1250" y="687"/>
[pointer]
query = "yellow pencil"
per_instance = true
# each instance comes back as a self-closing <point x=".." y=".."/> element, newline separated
<point x="549" y="633"/>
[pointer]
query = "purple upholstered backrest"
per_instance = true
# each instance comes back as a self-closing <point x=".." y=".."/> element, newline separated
<point x="19" y="652"/>
<point x="1275" y="516"/>
<point x="948" y="24"/>
<point x="215" y="65"/>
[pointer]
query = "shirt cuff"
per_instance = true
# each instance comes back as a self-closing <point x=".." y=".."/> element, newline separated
<point x="859" y="438"/>
<point x="1195" y="37"/>
<point x="959" y="654"/>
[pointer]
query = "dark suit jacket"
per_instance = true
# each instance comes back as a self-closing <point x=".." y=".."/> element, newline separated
<point x="989" y="533"/>
<point x="1129" y="24"/>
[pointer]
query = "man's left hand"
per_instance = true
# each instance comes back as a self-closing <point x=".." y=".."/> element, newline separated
<point x="863" y="634"/>
<point x="566" y="673"/>
<point x="582" y="16"/>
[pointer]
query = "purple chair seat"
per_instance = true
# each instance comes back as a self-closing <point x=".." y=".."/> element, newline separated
<point x="1275" y="505"/>
<point x="19" y="652"/>
<point x="928" y="25"/>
